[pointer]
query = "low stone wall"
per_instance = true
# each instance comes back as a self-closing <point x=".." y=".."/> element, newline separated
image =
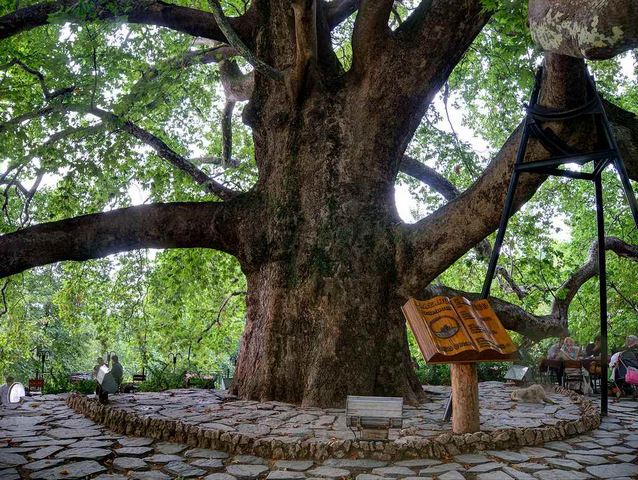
<point x="405" y="447"/>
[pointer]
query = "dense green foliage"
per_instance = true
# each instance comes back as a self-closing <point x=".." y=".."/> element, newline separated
<point x="150" y="305"/>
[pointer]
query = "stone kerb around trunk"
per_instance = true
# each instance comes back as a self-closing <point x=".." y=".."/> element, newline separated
<point x="405" y="446"/>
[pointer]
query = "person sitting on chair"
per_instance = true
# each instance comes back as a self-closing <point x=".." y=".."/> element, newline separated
<point x="569" y="350"/>
<point x="628" y="358"/>
<point x="593" y="349"/>
<point x="553" y="354"/>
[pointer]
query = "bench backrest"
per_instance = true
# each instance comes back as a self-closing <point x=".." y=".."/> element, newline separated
<point x="374" y="412"/>
<point x="36" y="384"/>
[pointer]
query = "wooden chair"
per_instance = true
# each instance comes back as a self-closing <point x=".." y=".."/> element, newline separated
<point x="36" y="385"/>
<point x="548" y="370"/>
<point x="573" y="374"/>
<point x="595" y="370"/>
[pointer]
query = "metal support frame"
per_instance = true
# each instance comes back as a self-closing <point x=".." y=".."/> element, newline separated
<point x="566" y="154"/>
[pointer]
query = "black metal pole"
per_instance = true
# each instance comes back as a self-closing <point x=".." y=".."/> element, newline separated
<point x="507" y="211"/>
<point x="626" y="185"/>
<point x="618" y="162"/>
<point x="602" y="279"/>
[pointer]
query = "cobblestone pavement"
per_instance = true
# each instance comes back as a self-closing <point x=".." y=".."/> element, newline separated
<point x="218" y="411"/>
<point x="45" y="439"/>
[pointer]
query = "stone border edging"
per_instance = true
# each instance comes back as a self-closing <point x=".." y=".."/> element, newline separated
<point x="406" y="447"/>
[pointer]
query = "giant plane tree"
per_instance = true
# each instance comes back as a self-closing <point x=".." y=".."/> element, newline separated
<point x="336" y="91"/>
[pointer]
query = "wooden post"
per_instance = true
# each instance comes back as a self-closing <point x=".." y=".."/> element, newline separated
<point x="465" y="401"/>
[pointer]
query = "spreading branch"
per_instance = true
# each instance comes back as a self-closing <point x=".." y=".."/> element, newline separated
<point x="338" y="10"/>
<point x="164" y="151"/>
<point x="160" y="147"/>
<point x="412" y="167"/>
<point x="413" y="57"/>
<point x="556" y="323"/>
<point x="589" y="269"/>
<point x="150" y="12"/>
<point x="172" y="225"/>
<point x="218" y="319"/>
<point x="233" y="39"/>
<point x="435" y="241"/>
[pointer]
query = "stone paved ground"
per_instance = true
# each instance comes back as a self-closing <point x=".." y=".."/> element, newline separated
<point x="216" y="411"/>
<point x="45" y="439"/>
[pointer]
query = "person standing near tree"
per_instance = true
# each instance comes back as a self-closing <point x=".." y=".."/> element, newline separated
<point x="4" y="390"/>
<point x="117" y="371"/>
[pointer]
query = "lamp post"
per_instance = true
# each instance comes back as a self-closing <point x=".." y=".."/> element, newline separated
<point x="174" y="355"/>
<point x="41" y="355"/>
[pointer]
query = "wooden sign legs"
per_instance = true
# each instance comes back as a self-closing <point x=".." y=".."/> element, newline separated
<point x="465" y="399"/>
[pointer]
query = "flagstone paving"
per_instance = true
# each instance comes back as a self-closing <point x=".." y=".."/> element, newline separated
<point x="45" y="439"/>
<point x="219" y="411"/>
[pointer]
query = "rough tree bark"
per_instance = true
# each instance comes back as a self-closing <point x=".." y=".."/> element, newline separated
<point x="594" y="29"/>
<point x="327" y="260"/>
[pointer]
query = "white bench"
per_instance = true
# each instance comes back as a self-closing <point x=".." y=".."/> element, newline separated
<point x="374" y="416"/>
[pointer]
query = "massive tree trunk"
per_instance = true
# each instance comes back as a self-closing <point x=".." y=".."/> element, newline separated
<point x="323" y="304"/>
<point x="324" y="316"/>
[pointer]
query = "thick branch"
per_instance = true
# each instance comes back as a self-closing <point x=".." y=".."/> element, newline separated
<point x="537" y="327"/>
<point x="151" y="12"/>
<point x="589" y="269"/>
<point x="429" y="44"/>
<point x="429" y="176"/>
<point x="227" y="133"/>
<point x="238" y="87"/>
<point x="512" y="316"/>
<point x="441" y="238"/>
<point x="591" y="29"/>
<point x="370" y="31"/>
<point x="238" y="44"/>
<point x="338" y="10"/>
<point x="432" y="178"/>
<point x="173" y="225"/>
<point x="162" y="149"/>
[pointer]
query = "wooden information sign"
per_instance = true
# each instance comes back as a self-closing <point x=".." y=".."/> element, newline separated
<point x="460" y="332"/>
<point x="457" y="330"/>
